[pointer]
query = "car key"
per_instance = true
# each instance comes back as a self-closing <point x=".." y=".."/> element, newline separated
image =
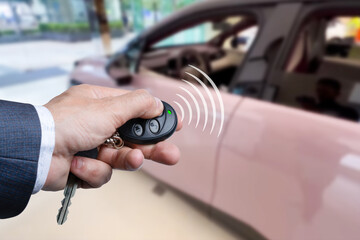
<point x="69" y="192"/>
<point x="70" y="188"/>
<point x="137" y="131"/>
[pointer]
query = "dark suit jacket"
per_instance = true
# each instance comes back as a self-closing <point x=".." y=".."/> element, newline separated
<point x="20" y="139"/>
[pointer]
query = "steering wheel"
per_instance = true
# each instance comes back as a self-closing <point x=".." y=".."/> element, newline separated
<point x="188" y="57"/>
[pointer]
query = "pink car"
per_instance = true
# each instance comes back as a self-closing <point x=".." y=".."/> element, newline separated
<point x="284" y="162"/>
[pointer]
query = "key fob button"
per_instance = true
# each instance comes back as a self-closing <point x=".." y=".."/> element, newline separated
<point x="138" y="129"/>
<point x="150" y="131"/>
<point x="154" y="126"/>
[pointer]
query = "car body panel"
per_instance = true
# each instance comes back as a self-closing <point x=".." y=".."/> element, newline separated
<point x="92" y="71"/>
<point x="290" y="174"/>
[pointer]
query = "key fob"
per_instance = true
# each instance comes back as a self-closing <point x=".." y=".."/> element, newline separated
<point x="93" y="153"/>
<point x="150" y="131"/>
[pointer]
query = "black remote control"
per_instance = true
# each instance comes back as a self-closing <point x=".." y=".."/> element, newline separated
<point x="150" y="131"/>
<point x="144" y="131"/>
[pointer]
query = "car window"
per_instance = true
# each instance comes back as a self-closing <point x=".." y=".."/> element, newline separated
<point x="342" y="38"/>
<point x="244" y="38"/>
<point x="322" y="74"/>
<point x="200" y="33"/>
<point x="192" y="35"/>
<point x="216" y="47"/>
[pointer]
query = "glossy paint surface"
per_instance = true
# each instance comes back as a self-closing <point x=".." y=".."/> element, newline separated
<point x="290" y="174"/>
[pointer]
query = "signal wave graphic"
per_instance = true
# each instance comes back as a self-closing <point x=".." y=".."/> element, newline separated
<point x="203" y="100"/>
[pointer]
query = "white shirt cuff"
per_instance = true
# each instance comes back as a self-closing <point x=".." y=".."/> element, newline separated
<point x="46" y="148"/>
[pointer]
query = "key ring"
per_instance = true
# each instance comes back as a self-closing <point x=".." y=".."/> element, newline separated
<point x="115" y="141"/>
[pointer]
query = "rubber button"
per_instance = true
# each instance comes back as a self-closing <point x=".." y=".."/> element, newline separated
<point x="138" y="129"/>
<point x="154" y="126"/>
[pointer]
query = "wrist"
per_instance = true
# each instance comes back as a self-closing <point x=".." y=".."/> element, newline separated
<point x="58" y="173"/>
<point x="46" y="147"/>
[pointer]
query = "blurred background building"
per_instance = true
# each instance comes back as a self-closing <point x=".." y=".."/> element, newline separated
<point x="36" y="18"/>
<point x="28" y="27"/>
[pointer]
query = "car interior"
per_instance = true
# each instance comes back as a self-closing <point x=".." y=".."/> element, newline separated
<point x="216" y="46"/>
<point x="322" y="72"/>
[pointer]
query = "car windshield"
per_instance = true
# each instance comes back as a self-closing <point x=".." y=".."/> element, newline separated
<point x="200" y="33"/>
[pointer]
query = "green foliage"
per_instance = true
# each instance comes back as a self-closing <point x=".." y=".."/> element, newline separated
<point x="354" y="53"/>
<point x="73" y="27"/>
<point x="7" y="32"/>
<point x="116" y="25"/>
<point x="64" y="27"/>
<point x="25" y="32"/>
<point x="126" y="4"/>
<point x="30" y="31"/>
<point x="149" y="5"/>
<point x="183" y="3"/>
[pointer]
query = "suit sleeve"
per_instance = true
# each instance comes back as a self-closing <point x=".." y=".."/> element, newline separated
<point x="20" y="141"/>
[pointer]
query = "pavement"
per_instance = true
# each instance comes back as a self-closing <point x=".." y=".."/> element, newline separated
<point x="23" y="62"/>
<point x="24" y="56"/>
<point x="125" y="208"/>
<point x="7" y="70"/>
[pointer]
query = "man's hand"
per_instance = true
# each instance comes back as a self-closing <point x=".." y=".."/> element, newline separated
<point x="85" y="116"/>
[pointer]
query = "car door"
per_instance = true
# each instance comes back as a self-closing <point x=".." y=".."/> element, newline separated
<point x="296" y="166"/>
<point x="195" y="172"/>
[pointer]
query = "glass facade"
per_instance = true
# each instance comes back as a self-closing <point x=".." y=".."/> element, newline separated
<point x="31" y="17"/>
<point x="45" y="30"/>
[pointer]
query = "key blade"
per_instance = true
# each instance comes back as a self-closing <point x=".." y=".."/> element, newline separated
<point x="65" y="203"/>
<point x="71" y="187"/>
<point x="69" y="192"/>
<point x="62" y="216"/>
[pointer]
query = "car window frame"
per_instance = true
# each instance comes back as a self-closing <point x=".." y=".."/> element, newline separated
<point x="195" y="18"/>
<point x="254" y="10"/>
<point x="308" y="10"/>
<point x="184" y="44"/>
<point x="203" y="19"/>
<point x="255" y="59"/>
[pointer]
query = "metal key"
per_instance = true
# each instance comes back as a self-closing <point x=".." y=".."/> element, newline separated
<point x="70" y="189"/>
<point x="72" y="183"/>
<point x="69" y="192"/>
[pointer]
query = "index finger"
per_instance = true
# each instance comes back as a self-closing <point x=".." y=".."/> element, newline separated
<point x="135" y="104"/>
<point x="97" y="92"/>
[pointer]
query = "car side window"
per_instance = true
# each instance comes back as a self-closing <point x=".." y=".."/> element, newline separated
<point x="322" y="73"/>
<point x="244" y="40"/>
<point x="216" y="46"/>
<point x="193" y="35"/>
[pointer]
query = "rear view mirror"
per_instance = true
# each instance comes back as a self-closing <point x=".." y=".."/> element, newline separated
<point x="125" y="62"/>
<point x="122" y="76"/>
<point x="118" y="69"/>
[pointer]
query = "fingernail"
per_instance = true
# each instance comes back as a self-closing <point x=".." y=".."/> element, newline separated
<point x="130" y="168"/>
<point x="79" y="163"/>
<point x="158" y="102"/>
